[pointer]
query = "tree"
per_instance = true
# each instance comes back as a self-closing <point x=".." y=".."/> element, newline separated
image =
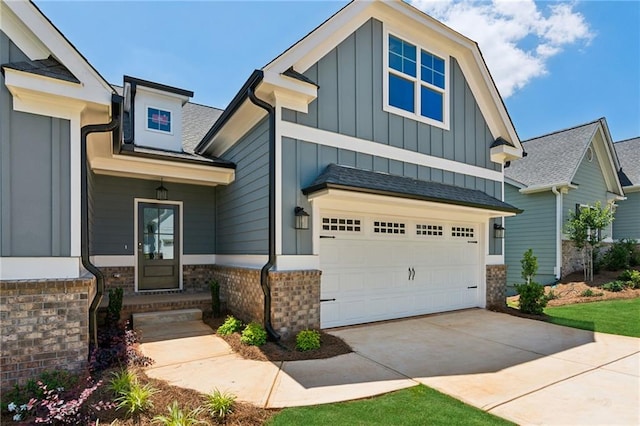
<point x="584" y="227"/>
<point x="529" y="264"/>
<point x="532" y="299"/>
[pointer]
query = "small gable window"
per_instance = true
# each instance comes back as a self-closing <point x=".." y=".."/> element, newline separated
<point x="416" y="83"/>
<point x="158" y="120"/>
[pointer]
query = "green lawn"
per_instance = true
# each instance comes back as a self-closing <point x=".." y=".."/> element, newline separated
<point x="413" y="406"/>
<point x="611" y="316"/>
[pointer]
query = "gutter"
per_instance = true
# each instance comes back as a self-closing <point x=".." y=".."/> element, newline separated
<point x="558" y="267"/>
<point x="264" y="272"/>
<point x="114" y="124"/>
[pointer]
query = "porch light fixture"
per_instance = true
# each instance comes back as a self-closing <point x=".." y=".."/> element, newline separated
<point x="162" y="193"/>
<point x="498" y="230"/>
<point x="302" y="218"/>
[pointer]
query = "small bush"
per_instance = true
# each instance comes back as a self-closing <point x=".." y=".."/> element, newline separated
<point x="631" y="277"/>
<point x="137" y="399"/>
<point x="115" y="305"/>
<point x="307" y="340"/>
<point x="587" y="293"/>
<point x="121" y="381"/>
<point x="618" y="257"/>
<point x="532" y="298"/>
<point x="230" y="326"/>
<point x="614" y="286"/>
<point x="220" y="404"/>
<point x="60" y="380"/>
<point x="177" y="417"/>
<point x="254" y="335"/>
<point x="215" y="298"/>
<point x="551" y="295"/>
<point x="116" y="348"/>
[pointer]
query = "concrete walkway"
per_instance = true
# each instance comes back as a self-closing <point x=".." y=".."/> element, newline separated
<point x="526" y="371"/>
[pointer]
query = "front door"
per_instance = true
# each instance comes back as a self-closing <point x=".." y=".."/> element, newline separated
<point x="158" y="246"/>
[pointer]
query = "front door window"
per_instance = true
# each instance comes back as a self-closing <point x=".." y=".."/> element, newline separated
<point x="158" y="246"/>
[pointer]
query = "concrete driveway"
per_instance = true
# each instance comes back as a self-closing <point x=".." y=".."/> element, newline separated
<point x="527" y="371"/>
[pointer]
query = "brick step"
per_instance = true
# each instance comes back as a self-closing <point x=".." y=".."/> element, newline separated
<point x="172" y="330"/>
<point x="161" y="318"/>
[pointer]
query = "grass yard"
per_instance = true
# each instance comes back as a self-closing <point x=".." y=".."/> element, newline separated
<point x="413" y="406"/>
<point x="620" y="317"/>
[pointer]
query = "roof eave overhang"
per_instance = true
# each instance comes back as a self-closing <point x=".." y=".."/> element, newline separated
<point x="328" y="189"/>
<point x="503" y="153"/>
<point x="561" y="186"/>
<point x="631" y="188"/>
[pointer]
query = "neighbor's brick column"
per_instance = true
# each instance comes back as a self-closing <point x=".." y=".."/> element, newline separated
<point x="240" y="289"/>
<point x="496" y="286"/>
<point x="295" y="300"/>
<point x="45" y="326"/>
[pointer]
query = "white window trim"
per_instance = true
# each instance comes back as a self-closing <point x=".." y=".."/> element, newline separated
<point x="418" y="83"/>
<point x="146" y="120"/>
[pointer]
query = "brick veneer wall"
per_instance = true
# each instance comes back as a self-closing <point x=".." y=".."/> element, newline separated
<point x="295" y="300"/>
<point x="45" y="326"/>
<point x="195" y="278"/>
<point x="496" y="286"/>
<point x="295" y="296"/>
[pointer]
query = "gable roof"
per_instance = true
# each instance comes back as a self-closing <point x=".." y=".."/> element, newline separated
<point x="553" y="159"/>
<point x="49" y="67"/>
<point x="283" y="73"/>
<point x="353" y="179"/>
<point x="629" y="156"/>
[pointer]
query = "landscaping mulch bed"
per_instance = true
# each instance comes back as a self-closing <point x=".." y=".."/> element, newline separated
<point x="285" y="349"/>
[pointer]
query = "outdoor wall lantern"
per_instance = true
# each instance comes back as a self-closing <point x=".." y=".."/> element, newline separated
<point x="162" y="193"/>
<point x="498" y="230"/>
<point x="302" y="218"/>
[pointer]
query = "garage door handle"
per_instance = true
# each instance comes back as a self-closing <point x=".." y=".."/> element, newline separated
<point x="327" y="236"/>
<point x="472" y="242"/>
<point x="412" y="274"/>
<point x="327" y="300"/>
<point x="473" y="286"/>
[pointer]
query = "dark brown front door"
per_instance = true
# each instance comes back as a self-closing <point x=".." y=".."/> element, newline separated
<point x="158" y="246"/>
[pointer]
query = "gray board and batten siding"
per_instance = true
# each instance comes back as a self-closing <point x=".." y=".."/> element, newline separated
<point x="112" y="205"/>
<point x="242" y="223"/>
<point x="350" y="102"/>
<point x="627" y="222"/>
<point x="35" y="212"/>
<point x="535" y="229"/>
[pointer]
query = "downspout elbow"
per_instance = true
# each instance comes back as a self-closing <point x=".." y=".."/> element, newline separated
<point x="264" y="272"/>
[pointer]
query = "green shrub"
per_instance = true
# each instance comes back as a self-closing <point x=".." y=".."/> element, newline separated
<point x="307" y="340"/>
<point x="215" y="298"/>
<point x="115" y="305"/>
<point x="54" y="379"/>
<point x="631" y="277"/>
<point x="532" y="298"/>
<point x="230" y="326"/>
<point x="529" y="264"/>
<point x="137" y="399"/>
<point x="220" y="404"/>
<point x="618" y="257"/>
<point x="177" y="417"/>
<point x="121" y="381"/>
<point x="254" y="335"/>
<point x="551" y="295"/>
<point x="614" y="286"/>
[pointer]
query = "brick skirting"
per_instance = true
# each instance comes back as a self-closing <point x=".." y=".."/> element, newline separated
<point x="195" y="278"/>
<point x="45" y="326"/>
<point x="496" y="286"/>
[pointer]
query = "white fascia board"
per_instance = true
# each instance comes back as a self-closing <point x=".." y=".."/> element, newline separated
<point x="20" y="35"/>
<point x="288" y="90"/>
<point x="39" y="268"/>
<point x="564" y="186"/>
<point x="59" y="46"/>
<point x="605" y="151"/>
<point x="21" y="82"/>
<point x="152" y="169"/>
<point x="503" y="153"/>
<point x="243" y="120"/>
<point x="384" y="204"/>
<point x="336" y="140"/>
<point x="632" y="188"/>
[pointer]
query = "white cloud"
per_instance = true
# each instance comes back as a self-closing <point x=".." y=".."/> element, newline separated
<point x="516" y="38"/>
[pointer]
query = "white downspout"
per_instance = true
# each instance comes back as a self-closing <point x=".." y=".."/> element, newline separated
<point x="558" y="266"/>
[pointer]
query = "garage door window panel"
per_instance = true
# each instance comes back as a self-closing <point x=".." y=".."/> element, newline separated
<point x="341" y="224"/>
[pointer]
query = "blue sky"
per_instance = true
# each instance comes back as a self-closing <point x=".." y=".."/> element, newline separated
<point x="557" y="64"/>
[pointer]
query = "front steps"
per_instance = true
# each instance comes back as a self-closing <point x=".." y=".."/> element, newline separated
<point x="169" y="325"/>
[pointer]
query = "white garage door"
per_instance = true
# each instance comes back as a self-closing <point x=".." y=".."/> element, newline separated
<point x="377" y="268"/>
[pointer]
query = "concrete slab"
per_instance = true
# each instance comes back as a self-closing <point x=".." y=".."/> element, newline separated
<point x="176" y="351"/>
<point x="341" y="378"/>
<point x="599" y="397"/>
<point x="251" y="381"/>
<point x="628" y="365"/>
<point x="172" y="330"/>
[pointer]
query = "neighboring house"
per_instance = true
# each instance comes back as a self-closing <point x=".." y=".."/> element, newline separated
<point x="357" y="177"/>
<point x="627" y="223"/>
<point x="561" y="172"/>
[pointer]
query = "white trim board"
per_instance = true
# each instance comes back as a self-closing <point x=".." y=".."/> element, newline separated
<point x="106" y="261"/>
<point x="39" y="268"/>
<point x="336" y="140"/>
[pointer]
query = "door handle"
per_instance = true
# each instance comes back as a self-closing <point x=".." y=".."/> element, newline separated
<point x="413" y="274"/>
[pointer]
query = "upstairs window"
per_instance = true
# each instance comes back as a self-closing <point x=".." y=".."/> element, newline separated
<point x="158" y="120"/>
<point x="417" y="83"/>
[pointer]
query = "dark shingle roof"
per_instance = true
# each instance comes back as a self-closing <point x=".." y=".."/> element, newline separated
<point x="352" y="179"/>
<point x="552" y="158"/>
<point x="628" y="152"/>
<point x="49" y="67"/>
